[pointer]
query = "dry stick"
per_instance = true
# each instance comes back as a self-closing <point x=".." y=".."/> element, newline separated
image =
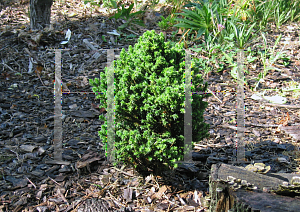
<point x="5" y="65"/>
<point x="119" y="170"/>
<point x="37" y="72"/>
<point x="54" y="181"/>
<point x="169" y="207"/>
<point x="286" y="106"/>
<point x="184" y="35"/>
<point x="140" y="27"/>
<point x="33" y="56"/>
<point x="65" y="88"/>
<point x="31" y="182"/>
<point x="18" y="208"/>
<point x="133" y="32"/>
<point x="115" y="200"/>
<point x="62" y="196"/>
<point x="279" y="105"/>
<point x="180" y="199"/>
<point x="70" y="207"/>
<point x="250" y="124"/>
<point x="37" y="61"/>
<point x="215" y="96"/>
<point x="100" y="193"/>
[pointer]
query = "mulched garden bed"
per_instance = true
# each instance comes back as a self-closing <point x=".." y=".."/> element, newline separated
<point x="89" y="183"/>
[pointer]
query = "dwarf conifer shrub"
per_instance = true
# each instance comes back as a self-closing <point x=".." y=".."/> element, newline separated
<point x="149" y="104"/>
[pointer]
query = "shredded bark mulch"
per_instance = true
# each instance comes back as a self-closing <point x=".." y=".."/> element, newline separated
<point x="87" y="182"/>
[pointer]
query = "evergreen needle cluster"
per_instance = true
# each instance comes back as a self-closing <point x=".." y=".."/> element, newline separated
<point x="149" y="99"/>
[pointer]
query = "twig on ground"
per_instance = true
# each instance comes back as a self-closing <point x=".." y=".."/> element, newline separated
<point x="215" y="96"/>
<point x="123" y="172"/>
<point x="281" y="105"/>
<point x="31" y="182"/>
<point x="5" y="65"/>
<point x="132" y="32"/>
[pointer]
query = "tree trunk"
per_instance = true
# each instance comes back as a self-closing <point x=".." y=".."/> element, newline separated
<point x="40" y="11"/>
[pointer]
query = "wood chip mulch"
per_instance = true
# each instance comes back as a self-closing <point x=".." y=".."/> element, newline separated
<point x="87" y="182"/>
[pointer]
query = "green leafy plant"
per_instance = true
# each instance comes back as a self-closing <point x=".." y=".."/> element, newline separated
<point x="210" y="49"/>
<point x="277" y="11"/>
<point x="130" y="37"/>
<point x="177" y="4"/>
<point x="269" y="62"/>
<point x="292" y="88"/>
<point x="268" y="58"/>
<point x="286" y="10"/>
<point x="149" y="104"/>
<point x="106" y="3"/>
<point x="92" y="2"/>
<point x="243" y="9"/>
<point x="242" y="34"/>
<point x="295" y="10"/>
<point x="229" y="52"/>
<point x="264" y="12"/>
<point x="153" y="3"/>
<point x="166" y="23"/>
<point x="251" y="56"/>
<point x="128" y="16"/>
<point x="199" y="19"/>
<point x="281" y="16"/>
<point x="203" y="64"/>
<point x="103" y="38"/>
<point x="173" y="35"/>
<point x="232" y="64"/>
<point x="209" y="18"/>
<point x="214" y="52"/>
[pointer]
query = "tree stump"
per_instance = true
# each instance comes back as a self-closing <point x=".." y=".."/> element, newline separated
<point x="237" y="189"/>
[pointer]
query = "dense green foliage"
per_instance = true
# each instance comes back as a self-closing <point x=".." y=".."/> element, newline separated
<point x="149" y="104"/>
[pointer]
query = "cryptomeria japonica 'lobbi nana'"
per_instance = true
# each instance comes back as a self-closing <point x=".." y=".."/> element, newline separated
<point x="149" y="98"/>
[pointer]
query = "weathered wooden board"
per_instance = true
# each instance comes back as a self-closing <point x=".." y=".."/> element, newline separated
<point x="223" y="198"/>
<point x="267" y="202"/>
<point x="222" y="171"/>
